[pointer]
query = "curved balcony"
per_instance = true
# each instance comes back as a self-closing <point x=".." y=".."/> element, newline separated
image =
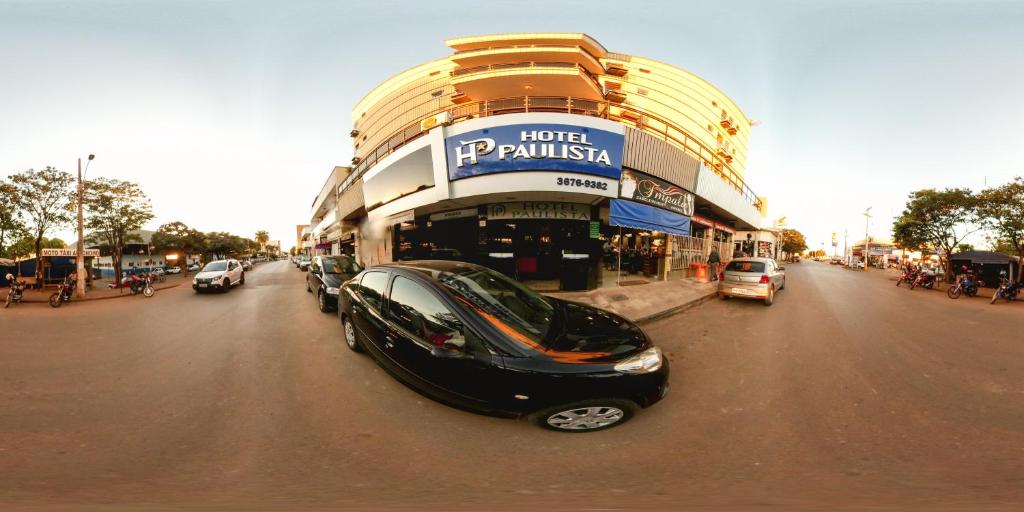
<point x="514" y="79"/>
<point x="627" y="114"/>
<point x="529" y="53"/>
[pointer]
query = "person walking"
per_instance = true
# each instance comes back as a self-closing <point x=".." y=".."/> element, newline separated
<point x="713" y="260"/>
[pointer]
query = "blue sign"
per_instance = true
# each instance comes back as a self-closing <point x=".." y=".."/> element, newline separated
<point x="535" y="147"/>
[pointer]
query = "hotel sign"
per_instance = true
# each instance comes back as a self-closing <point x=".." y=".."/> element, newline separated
<point x="535" y="147"/>
<point x="646" y="189"/>
<point x="526" y="210"/>
<point x="71" y="253"/>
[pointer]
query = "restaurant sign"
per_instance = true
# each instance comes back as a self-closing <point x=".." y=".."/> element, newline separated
<point x="646" y="189"/>
<point x="71" y="253"/>
<point x="526" y="210"/>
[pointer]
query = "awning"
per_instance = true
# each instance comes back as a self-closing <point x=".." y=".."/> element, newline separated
<point x="640" y="216"/>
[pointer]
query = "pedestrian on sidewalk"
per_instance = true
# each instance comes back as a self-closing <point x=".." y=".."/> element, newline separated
<point x="713" y="260"/>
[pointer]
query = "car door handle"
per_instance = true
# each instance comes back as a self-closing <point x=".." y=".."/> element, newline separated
<point x="389" y="341"/>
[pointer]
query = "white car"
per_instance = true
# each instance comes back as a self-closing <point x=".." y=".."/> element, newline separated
<point x="219" y="275"/>
<point x="157" y="271"/>
<point x="172" y="270"/>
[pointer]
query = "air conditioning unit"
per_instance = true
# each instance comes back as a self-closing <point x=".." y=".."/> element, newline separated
<point x="615" y="96"/>
<point x="356" y="160"/>
<point x="616" y="69"/>
<point x="723" y="149"/>
<point x="443" y="118"/>
<point x="353" y="133"/>
<point x="728" y="123"/>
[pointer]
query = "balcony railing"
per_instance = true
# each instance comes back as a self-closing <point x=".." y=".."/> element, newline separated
<point x="626" y="114"/>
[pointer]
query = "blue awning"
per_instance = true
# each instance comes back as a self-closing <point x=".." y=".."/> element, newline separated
<point x="640" y="216"/>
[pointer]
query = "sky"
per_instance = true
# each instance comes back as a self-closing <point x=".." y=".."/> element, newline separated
<point x="231" y="114"/>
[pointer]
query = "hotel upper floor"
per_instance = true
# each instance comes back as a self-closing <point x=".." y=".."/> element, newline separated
<point x="554" y="72"/>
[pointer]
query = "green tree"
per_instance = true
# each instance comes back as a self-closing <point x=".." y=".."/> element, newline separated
<point x="46" y="200"/>
<point x="26" y="246"/>
<point x="965" y="247"/>
<point x="1002" y="209"/>
<point x="262" y="237"/>
<point x="178" y="238"/>
<point x="291" y="251"/>
<point x="11" y="227"/>
<point x="117" y="209"/>
<point x="937" y="219"/>
<point x="793" y="241"/>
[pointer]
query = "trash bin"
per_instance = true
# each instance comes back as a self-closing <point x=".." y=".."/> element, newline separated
<point x="574" y="272"/>
<point x="702" y="272"/>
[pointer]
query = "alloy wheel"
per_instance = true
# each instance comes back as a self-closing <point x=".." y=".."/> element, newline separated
<point x="350" y="336"/>
<point x="586" y="418"/>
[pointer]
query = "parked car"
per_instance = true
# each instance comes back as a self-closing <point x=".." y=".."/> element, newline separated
<point x="193" y="267"/>
<point x="470" y="337"/>
<point x="172" y="270"/>
<point x="220" y="275"/>
<point x="158" y="271"/>
<point x="752" y="278"/>
<point x="303" y="263"/>
<point x="325" y="277"/>
<point x="246" y="264"/>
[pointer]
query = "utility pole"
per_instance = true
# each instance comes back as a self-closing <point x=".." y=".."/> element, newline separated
<point x="867" y="239"/>
<point x="80" y="247"/>
<point x="846" y="250"/>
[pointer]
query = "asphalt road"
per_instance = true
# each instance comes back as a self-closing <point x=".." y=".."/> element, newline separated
<point x="848" y="392"/>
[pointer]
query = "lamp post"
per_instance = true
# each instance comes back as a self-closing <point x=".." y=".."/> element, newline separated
<point x="867" y="239"/>
<point x="80" y="248"/>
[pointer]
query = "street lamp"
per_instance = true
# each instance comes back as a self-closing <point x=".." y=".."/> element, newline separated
<point x="80" y="248"/>
<point x="867" y="239"/>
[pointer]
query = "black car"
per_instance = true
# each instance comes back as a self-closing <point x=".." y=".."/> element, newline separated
<point x="325" y="277"/>
<point x="471" y="337"/>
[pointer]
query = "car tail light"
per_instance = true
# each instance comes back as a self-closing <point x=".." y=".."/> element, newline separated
<point x="764" y="279"/>
<point x="721" y="276"/>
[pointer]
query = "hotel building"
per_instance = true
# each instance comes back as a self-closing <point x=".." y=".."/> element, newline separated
<point x="545" y="156"/>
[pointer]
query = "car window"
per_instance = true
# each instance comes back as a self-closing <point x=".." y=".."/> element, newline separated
<point x="371" y="287"/>
<point x="340" y="265"/>
<point x="413" y="308"/>
<point x="745" y="266"/>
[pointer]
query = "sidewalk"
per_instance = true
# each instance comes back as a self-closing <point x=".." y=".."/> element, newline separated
<point x="644" y="303"/>
<point x="99" y="291"/>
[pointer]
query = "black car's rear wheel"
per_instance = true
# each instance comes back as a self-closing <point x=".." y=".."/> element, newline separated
<point x="351" y="341"/>
<point x="587" y="416"/>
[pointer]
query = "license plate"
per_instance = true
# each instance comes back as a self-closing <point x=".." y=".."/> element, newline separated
<point x="742" y="291"/>
<point x="202" y="285"/>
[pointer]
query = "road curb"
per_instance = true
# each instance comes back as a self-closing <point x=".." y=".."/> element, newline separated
<point x="87" y="299"/>
<point x="676" y="309"/>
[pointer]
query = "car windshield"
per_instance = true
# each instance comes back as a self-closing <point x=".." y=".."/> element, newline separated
<point x="745" y="266"/>
<point x="341" y="265"/>
<point x="216" y="266"/>
<point x="508" y="302"/>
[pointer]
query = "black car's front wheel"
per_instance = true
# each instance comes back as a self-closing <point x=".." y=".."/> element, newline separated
<point x="350" y="335"/>
<point x="587" y="416"/>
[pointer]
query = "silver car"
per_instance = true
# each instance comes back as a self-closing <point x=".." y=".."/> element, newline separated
<point x="752" y="278"/>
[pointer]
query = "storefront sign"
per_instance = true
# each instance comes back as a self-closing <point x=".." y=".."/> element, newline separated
<point x="526" y="210"/>
<point x="595" y="229"/>
<point x="89" y="253"/>
<point x="643" y="188"/>
<point x="532" y="147"/>
<point x="454" y="214"/>
<point x="764" y="249"/>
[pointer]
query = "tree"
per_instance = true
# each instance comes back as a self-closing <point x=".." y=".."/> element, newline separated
<point x="178" y="238"/>
<point x="820" y="253"/>
<point x="11" y="227"/>
<point x="25" y="246"/>
<point x="937" y="219"/>
<point x="1002" y="208"/>
<point x="46" y="200"/>
<point x="965" y="248"/>
<point x="262" y="237"/>
<point x="793" y="241"/>
<point x="117" y="209"/>
<point x="291" y="252"/>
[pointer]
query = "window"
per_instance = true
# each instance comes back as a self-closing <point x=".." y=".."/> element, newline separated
<point x="371" y="287"/>
<point x="423" y="315"/>
<point x="745" y="266"/>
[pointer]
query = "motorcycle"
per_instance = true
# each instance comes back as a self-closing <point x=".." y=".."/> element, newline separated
<point x="16" y="292"/>
<point x="908" y="276"/>
<point x="1007" y="290"/>
<point x="143" y="285"/>
<point x="63" y="293"/>
<point x="924" y="279"/>
<point x="966" y="283"/>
